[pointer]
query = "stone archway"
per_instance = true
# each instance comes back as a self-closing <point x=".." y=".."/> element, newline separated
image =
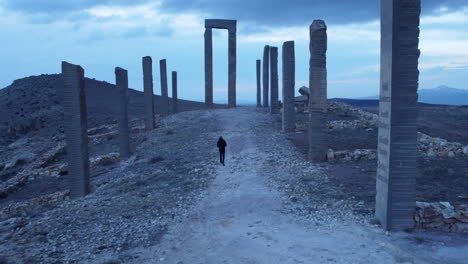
<point x="231" y="26"/>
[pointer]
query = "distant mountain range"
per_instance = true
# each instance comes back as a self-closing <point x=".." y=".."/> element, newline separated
<point x="440" y="95"/>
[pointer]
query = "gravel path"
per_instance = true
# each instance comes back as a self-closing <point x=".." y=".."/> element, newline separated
<point x="243" y="218"/>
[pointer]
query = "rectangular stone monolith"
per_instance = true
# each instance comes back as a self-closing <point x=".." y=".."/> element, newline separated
<point x="397" y="137"/>
<point x="266" y="75"/>
<point x="121" y="82"/>
<point x="289" y="69"/>
<point x="318" y="90"/>
<point x="274" y="104"/>
<point x="148" y="92"/>
<point x="76" y="129"/>
<point x="259" y="88"/>
<point x="209" y="67"/>
<point x="232" y="51"/>
<point x="164" y="91"/>
<point x="175" y="107"/>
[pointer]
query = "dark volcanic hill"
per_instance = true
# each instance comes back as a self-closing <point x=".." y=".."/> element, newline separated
<point x="31" y="106"/>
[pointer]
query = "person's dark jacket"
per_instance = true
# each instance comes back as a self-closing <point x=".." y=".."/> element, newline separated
<point x="221" y="144"/>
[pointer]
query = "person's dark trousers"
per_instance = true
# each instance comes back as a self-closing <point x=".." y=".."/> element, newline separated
<point x="221" y="156"/>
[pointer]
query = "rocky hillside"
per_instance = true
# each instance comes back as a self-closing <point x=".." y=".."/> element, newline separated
<point x="31" y="106"/>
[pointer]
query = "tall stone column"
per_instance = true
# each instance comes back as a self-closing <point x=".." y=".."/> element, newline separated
<point x="259" y="88"/>
<point x="209" y="67"/>
<point x="148" y="92"/>
<point x="76" y="127"/>
<point x="289" y="69"/>
<point x="274" y="106"/>
<point x="121" y="82"/>
<point x="164" y="92"/>
<point x="318" y="90"/>
<point x="232" y="67"/>
<point x="266" y="75"/>
<point x="397" y="142"/>
<point x="175" y="107"/>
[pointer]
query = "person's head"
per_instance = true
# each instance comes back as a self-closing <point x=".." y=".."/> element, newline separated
<point x="220" y="137"/>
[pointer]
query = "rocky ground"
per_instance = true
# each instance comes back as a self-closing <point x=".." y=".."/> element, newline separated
<point x="31" y="106"/>
<point x="132" y="202"/>
<point x="352" y="138"/>
<point x="171" y="202"/>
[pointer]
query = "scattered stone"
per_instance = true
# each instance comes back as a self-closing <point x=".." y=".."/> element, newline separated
<point x="441" y="216"/>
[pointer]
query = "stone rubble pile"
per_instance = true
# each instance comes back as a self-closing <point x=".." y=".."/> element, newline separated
<point x="428" y="146"/>
<point x="353" y="155"/>
<point x="441" y="216"/>
<point x="433" y="146"/>
<point x="353" y="111"/>
<point x="20" y="208"/>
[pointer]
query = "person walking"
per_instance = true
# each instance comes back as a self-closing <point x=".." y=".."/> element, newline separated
<point x="222" y="149"/>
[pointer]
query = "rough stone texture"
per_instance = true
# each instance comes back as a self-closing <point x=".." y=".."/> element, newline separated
<point x="74" y="103"/>
<point x="231" y="26"/>
<point x="121" y="82"/>
<point x="232" y="68"/>
<point x="318" y="90"/>
<point x="397" y="140"/>
<point x="274" y="104"/>
<point x="175" y="108"/>
<point x="164" y="90"/>
<point x="148" y="91"/>
<point x="259" y="88"/>
<point x="289" y="69"/>
<point x="209" y="67"/>
<point x="266" y="75"/>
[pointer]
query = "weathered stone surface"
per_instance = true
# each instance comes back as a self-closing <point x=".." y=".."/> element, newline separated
<point x="148" y="92"/>
<point x="441" y="216"/>
<point x="228" y="24"/>
<point x="259" y="88"/>
<point x="164" y="90"/>
<point x="175" y="107"/>
<point x="274" y="104"/>
<point x="231" y="26"/>
<point x="266" y="75"/>
<point x="304" y="91"/>
<point x="397" y="141"/>
<point x="208" y="67"/>
<point x="121" y="81"/>
<point x="74" y="103"/>
<point x="232" y="50"/>
<point x="289" y="69"/>
<point x="318" y="90"/>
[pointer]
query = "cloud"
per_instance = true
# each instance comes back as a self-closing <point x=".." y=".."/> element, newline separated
<point x="256" y="13"/>
<point x="298" y="12"/>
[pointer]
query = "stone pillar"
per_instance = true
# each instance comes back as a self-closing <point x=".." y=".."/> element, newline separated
<point x="175" y="107"/>
<point x="209" y="67"/>
<point x="397" y="138"/>
<point x="76" y="129"/>
<point x="259" y="88"/>
<point x="318" y="90"/>
<point x="266" y="76"/>
<point x="232" y="67"/>
<point x="274" y="105"/>
<point x="121" y="82"/>
<point x="289" y="69"/>
<point x="148" y="92"/>
<point x="164" y="92"/>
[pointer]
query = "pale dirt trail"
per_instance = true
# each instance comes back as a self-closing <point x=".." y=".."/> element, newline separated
<point x="242" y="220"/>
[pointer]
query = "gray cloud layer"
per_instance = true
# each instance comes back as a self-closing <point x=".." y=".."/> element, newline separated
<point x="260" y="12"/>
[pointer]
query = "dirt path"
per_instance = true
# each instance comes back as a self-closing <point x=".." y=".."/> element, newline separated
<point x="241" y="219"/>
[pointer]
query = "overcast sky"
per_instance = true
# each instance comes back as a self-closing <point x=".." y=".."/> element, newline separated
<point x="36" y="35"/>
